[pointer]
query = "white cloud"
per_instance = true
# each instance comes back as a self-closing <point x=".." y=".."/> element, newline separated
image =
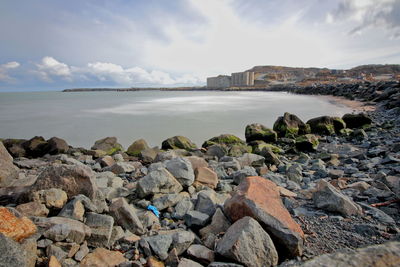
<point x="50" y="68"/>
<point x="368" y="13"/>
<point x="4" y="68"/>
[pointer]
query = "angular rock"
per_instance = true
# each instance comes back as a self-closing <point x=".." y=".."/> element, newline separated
<point x="196" y="218"/>
<point x="259" y="198"/>
<point x="53" y="262"/>
<point x="60" y="228"/>
<point x="158" y="181"/>
<point x="326" y="125"/>
<point x="73" y="209"/>
<point x="72" y="179"/>
<point x="356" y="120"/>
<point x="160" y="244"/>
<point x="201" y="253"/>
<point x="35" y="147"/>
<point x="224" y="264"/>
<point x="101" y="226"/>
<point x="102" y="257"/>
<point x="182" y="170"/>
<point x="107" y="161"/>
<point x="137" y="147"/>
<point x="52" y="198"/>
<point x="205" y="176"/>
<point x="219" y="224"/>
<point x="82" y="252"/>
<point x="15" y="226"/>
<point x="307" y="143"/>
<point x="168" y="200"/>
<point x="125" y="216"/>
<point x="149" y="155"/>
<point x="327" y="197"/>
<point x="257" y="131"/>
<point x="178" y="142"/>
<point x="249" y="159"/>
<point x="57" y="145"/>
<point x="33" y="209"/>
<point x="207" y="201"/>
<point x="387" y="255"/>
<point x="109" y="145"/>
<point x="8" y="171"/>
<point x="246" y="242"/>
<point x="188" y="263"/>
<point x="14" y="147"/>
<point x="182" y="208"/>
<point x="289" y="125"/>
<point x="11" y="253"/>
<point x="197" y="162"/>
<point x="239" y="175"/>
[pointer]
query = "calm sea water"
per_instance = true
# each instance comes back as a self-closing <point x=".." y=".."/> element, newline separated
<point x="81" y="118"/>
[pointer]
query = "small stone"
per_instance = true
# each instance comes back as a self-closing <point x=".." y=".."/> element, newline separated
<point x="73" y="209"/>
<point x="219" y="224"/>
<point x="107" y="161"/>
<point x="201" y="253"/>
<point x="101" y="257"/>
<point x="206" y="176"/>
<point x="153" y="262"/>
<point x="52" y="198"/>
<point x="196" y="218"/>
<point x="53" y="262"/>
<point x="182" y="170"/>
<point x="33" y="208"/>
<point x="82" y="252"/>
<point x="158" y="181"/>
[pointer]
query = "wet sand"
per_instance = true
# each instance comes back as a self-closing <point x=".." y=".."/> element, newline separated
<point x="355" y="105"/>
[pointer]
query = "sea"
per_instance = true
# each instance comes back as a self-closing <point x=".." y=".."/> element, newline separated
<point x="81" y="118"/>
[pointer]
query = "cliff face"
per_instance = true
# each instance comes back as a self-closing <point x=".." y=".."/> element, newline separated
<point x="269" y="75"/>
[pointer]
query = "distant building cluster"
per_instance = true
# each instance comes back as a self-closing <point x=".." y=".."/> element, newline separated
<point x="237" y="79"/>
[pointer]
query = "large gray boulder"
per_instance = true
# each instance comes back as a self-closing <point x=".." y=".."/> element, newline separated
<point x="158" y="181"/>
<point x="327" y="197"/>
<point x="246" y="242"/>
<point x="182" y="170"/>
<point x="101" y="226"/>
<point x="385" y="255"/>
<point x="8" y="171"/>
<point x="12" y="253"/>
<point x="125" y="216"/>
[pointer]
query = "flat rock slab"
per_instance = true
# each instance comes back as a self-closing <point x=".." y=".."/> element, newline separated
<point x="259" y="198"/>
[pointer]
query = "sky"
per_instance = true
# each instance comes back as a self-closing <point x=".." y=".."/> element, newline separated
<point x="56" y="44"/>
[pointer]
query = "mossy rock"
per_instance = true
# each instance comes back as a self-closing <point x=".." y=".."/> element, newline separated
<point x="238" y="150"/>
<point x="345" y="132"/>
<point x="178" y="142"/>
<point x="224" y="139"/>
<point x="257" y="131"/>
<point x="307" y="143"/>
<point x="258" y="146"/>
<point x="356" y="120"/>
<point x="326" y="125"/>
<point x="289" y="125"/>
<point x="109" y="145"/>
<point x="338" y="124"/>
<point x="137" y="147"/>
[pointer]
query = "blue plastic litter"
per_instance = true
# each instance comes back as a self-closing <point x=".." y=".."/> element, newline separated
<point x="154" y="210"/>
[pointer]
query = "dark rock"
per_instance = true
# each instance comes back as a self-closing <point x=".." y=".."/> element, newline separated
<point x="257" y="131"/>
<point x="307" y="143"/>
<point x="326" y="125"/>
<point x="137" y="147"/>
<point x="35" y="147"/>
<point x="289" y="125"/>
<point x="109" y="145"/>
<point x="8" y="171"/>
<point x="356" y="120"/>
<point x="57" y="145"/>
<point x="178" y="142"/>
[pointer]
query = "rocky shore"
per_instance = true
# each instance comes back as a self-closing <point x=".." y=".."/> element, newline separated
<point x="319" y="193"/>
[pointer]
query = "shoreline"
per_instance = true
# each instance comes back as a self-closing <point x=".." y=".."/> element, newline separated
<point x="355" y="105"/>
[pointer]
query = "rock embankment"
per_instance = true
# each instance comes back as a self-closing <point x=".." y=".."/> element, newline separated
<point x="296" y="194"/>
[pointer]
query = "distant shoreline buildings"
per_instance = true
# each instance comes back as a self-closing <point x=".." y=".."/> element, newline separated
<point x="236" y="79"/>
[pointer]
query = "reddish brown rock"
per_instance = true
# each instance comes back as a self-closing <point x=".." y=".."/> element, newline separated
<point x="197" y="162"/>
<point x="102" y="257"/>
<point x="17" y="228"/>
<point x="259" y="198"/>
<point x="206" y="176"/>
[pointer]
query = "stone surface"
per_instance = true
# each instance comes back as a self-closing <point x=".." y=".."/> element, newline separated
<point x="168" y="200"/>
<point x="246" y="242"/>
<point x="307" y="143"/>
<point x="385" y="255"/>
<point x="219" y="224"/>
<point x="257" y="131"/>
<point x="197" y="162"/>
<point x="207" y="201"/>
<point x="52" y="198"/>
<point x="73" y="209"/>
<point x="158" y="181"/>
<point x="53" y="262"/>
<point x="8" y="171"/>
<point x="125" y="216"/>
<point x="33" y="209"/>
<point x="201" y="253"/>
<point x="11" y="253"/>
<point x="188" y="263"/>
<point x="249" y="159"/>
<point x="326" y="125"/>
<point x="259" y="198"/>
<point x="109" y="145"/>
<point x="178" y="142"/>
<point x="327" y="197"/>
<point x="35" y="147"/>
<point x="57" y="145"/>
<point x="205" y="176"/>
<point x="196" y="218"/>
<point x="14" y="226"/>
<point x="101" y="226"/>
<point x="356" y="120"/>
<point x="107" y="161"/>
<point x="102" y="257"/>
<point x="182" y="170"/>
<point x="137" y="147"/>
<point x="289" y="125"/>
<point x="72" y="179"/>
<point x="60" y="228"/>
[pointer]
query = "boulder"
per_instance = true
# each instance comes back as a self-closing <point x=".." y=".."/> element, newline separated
<point x="327" y="197"/>
<point x="106" y="161"/>
<point x="158" y="181"/>
<point x="73" y="210"/>
<point x="219" y="224"/>
<point x="60" y="229"/>
<point x="257" y="131"/>
<point x="149" y="155"/>
<point x="207" y="201"/>
<point x="168" y="200"/>
<point x="259" y="146"/>
<point x="14" y="147"/>
<point x="384" y="255"/>
<point x="57" y="145"/>
<point x="33" y="208"/>
<point x="11" y="253"/>
<point x="326" y="125"/>
<point x="205" y="176"/>
<point x="259" y="198"/>
<point x="249" y="159"/>
<point x="73" y="179"/>
<point x="178" y="142"/>
<point x="125" y="216"/>
<point x="289" y="125"/>
<point x="35" y="147"/>
<point x="197" y="162"/>
<point x="102" y="257"/>
<point x="137" y="147"/>
<point x="201" y="253"/>
<point x="246" y="242"/>
<point x="182" y="170"/>
<point x="356" y="120"/>
<point x="15" y="226"/>
<point x="8" y="171"/>
<point x="307" y="143"/>
<point x="52" y="198"/>
<point x="109" y="145"/>
<point x="227" y="140"/>
<point x="101" y="226"/>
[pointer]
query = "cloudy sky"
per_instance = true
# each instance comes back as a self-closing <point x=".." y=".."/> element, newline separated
<point x="56" y="44"/>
